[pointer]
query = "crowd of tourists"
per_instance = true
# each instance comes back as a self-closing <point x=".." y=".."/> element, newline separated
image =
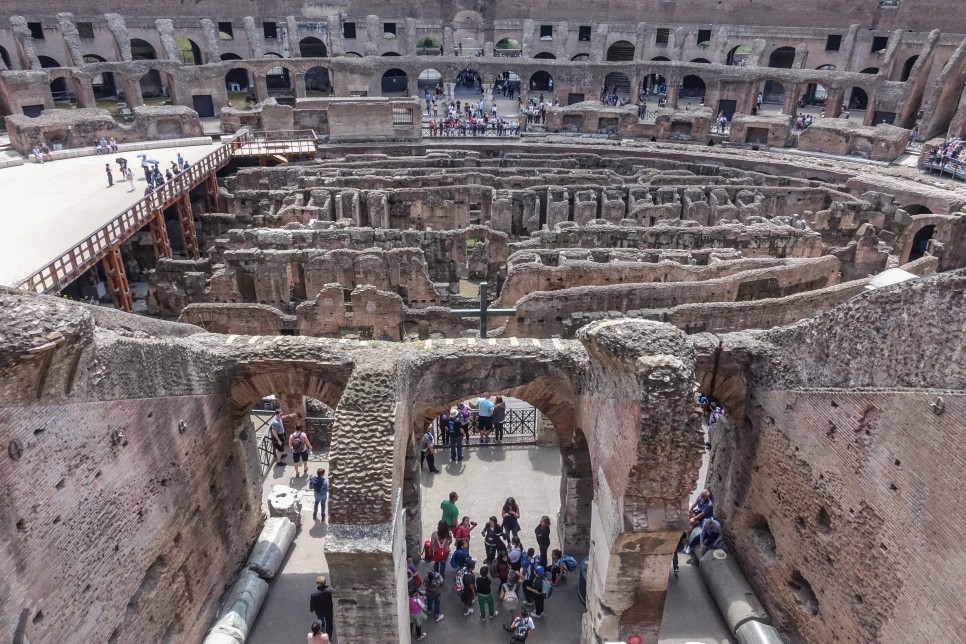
<point x="950" y="150"/>
<point x="512" y="576"/>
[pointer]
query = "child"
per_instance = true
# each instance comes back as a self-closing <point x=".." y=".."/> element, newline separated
<point x="417" y="614"/>
<point x="434" y="591"/>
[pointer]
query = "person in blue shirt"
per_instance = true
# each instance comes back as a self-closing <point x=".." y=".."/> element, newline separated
<point x="710" y="536"/>
<point x="485" y="409"/>
<point x="702" y="508"/>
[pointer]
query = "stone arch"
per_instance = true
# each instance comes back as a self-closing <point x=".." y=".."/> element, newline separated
<point x="394" y="81"/>
<point x="508" y="47"/>
<point x="772" y="92"/>
<point x="431" y="80"/>
<point x="103" y="84"/>
<point x="58" y="84"/>
<point x="620" y="51"/>
<point x="238" y="81"/>
<point x="701" y="61"/>
<point x="353" y="54"/>
<point x="660" y="59"/>
<point x="312" y="47"/>
<point x="230" y="56"/>
<point x="155" y="83"/>
<point x="917" y="209"/>
<point x="907" y="66"/>
<point x="870" y="70"/>
<point x="249" y="382"/>
<point x="468" y="82"/>
<point x="920" y="242"/>
<point x="545" y="55"/>
<point x="190" y="51"/>
<point x="693" y="86"/>
<point x="391" y="53"/>
<point x="581" y="58"/>
<point x="507" y="83"/>
<point x="858" y="100"/>
<point x="739" y="54"/>
<point x="142" y="50"/>
<point x="541" y="81"/>
<point x="782" y="57"/>
<point x="816" y="93"/>
<point x="278" y="79"/>
<point x="617" y="83"/>
<point x="318" y="81"/>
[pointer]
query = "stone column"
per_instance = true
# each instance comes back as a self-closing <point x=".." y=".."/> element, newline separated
<point x="640" y="42"/>
<point x="336" y="42"/>
<point x="672" y="91"/>
<point x="409" y="47"/>
<point x="801" y="56"/>
<point x="256" y="39"/>
<point x="211" y="51"/>
<point x="25" y="43"/>
<point x="166" y="30"/>
<point x="298" y="81"/>
<point x="122" y="40"/>
<point x="132" y="89"/>
<point x="833" y="101"/>
<point x="529" y="36"/>
<point x="260" y="86"/>
<point x="84" y="92"/>
<point x="599" y="45"/>
<point x="71" y="38"/>
<point x="292" y="33"/>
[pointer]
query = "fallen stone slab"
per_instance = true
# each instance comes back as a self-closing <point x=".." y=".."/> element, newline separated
<point x="284" y="502"/>
<point x="244" y="601"/>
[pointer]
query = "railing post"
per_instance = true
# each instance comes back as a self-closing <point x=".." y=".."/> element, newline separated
<point x="113" y="264"/>
<point x="188" y="232"/>
<point x="214" y="199"/>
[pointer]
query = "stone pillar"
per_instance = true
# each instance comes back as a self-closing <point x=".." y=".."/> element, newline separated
<point x="560" y="37"/>
<point x="256" y="39"/>
<point x="599" y="45"/>
<point x="790" y="101"/>
<point x="298" y="81"/>
<point x="672" y="91"/>
<point x="801" y="56"/>
<point x="132" y="89"/>
<point x="211" y="49"/>
<point x="336" y="42"/>
<point x="71" y="38"/>
<point x="833" y="101"/>
<point x="409" y="48"/>
<point x="448" y="46"/>
<point x="374" y="35"/>
<point x="640" y="41"/>
<point x="25" y="43"/>
<point x="122" y="40"/>
<point x="528" y="36"/>
<point x="848" y="49"/>
<point x="84" y="92"/>
<point x="260" y="86"/>
<point x="292" y="33"/>
<point x="166" y="30"/>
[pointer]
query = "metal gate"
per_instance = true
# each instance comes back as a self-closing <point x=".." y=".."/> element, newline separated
<point x="520" y="427"/>
<point x="261" y="420"/>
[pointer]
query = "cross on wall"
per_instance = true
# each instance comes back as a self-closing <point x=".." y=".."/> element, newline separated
<point x="484" y="312"/>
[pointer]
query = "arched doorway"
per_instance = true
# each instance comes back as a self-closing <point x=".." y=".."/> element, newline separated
<point x="429" y="46"/>
<point x="312" y="47"/>
<point x="653" y="85"/>
<point x="920" y="243"/>
<point x="907" y="68"/>
<point x="58" y="86"/>
<point x="103" y="84"/>
<point x="581" y="58"/>
<point x="545" y="55"/>
<point x="870" y="70"/>
<point x="395" y="82"/>
<point x="782" y="58"/>
<point x="771" y="93"/>
<point x="469" y="85"/>
<point x="507" y="85"/>
<point x="318" y="82"/>
<point x="238" y="83"/>
<point x="541" y="82"/>
<point x="917" y="209"/>
<point x="278" y="80"/>
<point x="692" y="90"/>
<point x="431" y="81"/>
<point x="190" y="52"/>
<point x="739" y="55"/>
<point x="155" y="87"/>
<point x="616" y="84"/>
<point x="620" y="51"/>
<point x="508" y="47"/>
<point x="858" y="100"/>
<point x="701" y="61"/>
<point x="142" y="50"/>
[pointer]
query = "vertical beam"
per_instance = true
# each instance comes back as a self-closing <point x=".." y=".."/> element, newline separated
<point x="484" y="295"/>
<point x="188" y="232"/>
<point x="159" y="235"/>
<point x="211" y="193"/>
<point x="113" y="265"/>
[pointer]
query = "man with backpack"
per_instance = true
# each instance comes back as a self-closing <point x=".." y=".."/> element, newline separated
<point x="466" y="586"/>
<point x="427" y="451"/>
<point x="520" y="627"/>
<point x="537" y="589"/>
<point x="300" y="445"/>
<point x="320" y="487"/>
<point x="276" y="427"/>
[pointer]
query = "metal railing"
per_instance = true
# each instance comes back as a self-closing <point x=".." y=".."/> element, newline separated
<point x="944" y="165"/>
<point x="282" y="142"/>
<point x="86" y="254"/>
<point x="520" y="426"/>
<point x="266" y="449"/>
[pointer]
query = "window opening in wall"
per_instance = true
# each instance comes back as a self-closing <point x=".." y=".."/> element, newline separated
<point x="388" y="30"/>
<point x="36" y="30"/>
<point x="270" y="29"/>
<point x="349" y="30"/>
<point x="225" y="31"/>
<point x="583" y="34"/>
<point x="546" y="32"/>
<point x="704" y="36"/>
<point x="85" y="30"/>
<point x="879" y="43"/>
<point x="663" y="36"/>
<point x="402" y="116"/>
<point x="833" y="43"/>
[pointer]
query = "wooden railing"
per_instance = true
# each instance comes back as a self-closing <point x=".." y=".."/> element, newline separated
<point x="86" y="254"/>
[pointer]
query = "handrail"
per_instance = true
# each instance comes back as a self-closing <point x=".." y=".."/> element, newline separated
<point x="84" y="255"/>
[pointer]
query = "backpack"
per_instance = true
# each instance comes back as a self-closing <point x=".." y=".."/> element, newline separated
<point x="458" y="560"/>
<point x="458" y="584"/>
<point x="298" y="443"/>
<point x="520" y="633"/>
<point x="510" y="599"/>
<point x="569" y="562"/>
<point x="547" y="589"/>
<point x="524" y="561"/>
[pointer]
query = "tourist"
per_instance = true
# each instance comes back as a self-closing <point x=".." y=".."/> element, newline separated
<point x="434" y="594"/>
<point x="320" y="487"/>
<point x="316" y="636"/>
<point x="451" y="513"/>
<point x="168" y="176"/>
<point x="710" y="536"/>
<point x="527" y="562"/>
<point x="542" y="531"/>
<point x="492" y="539"/>
<point x="129" y="175"/>
<point x="45" y="152"/>
<point x="535" y="591"/>
<point x="276" y="427"/>
<point x="484" y="596"/>
<point x="462" y="416"/>
<point x="417" y="614"/>
<point x="558" y="569"/>
<point x="702" y="508"/>
<point x="502" y="567"/>
<point x="520" y="627"/>
<point x="439" y="544"/>
<point x="457" y="432"/>
<point x="174" y="168"/>
<point x="510" y="591"/>
<point x="516" y="554"/>
<point x="182" y="163"/>
<point x="468" y="594"/>
<point x="320" y="603"/>
<point x="464" y="531"/>
<point x="36" y="154"/>
<point x="485" y="418"/>
<point x="110" y="175"/>
<point x="300" y="445"/>
<point x="427" y="449"/>
<point x="460" y="556"/>
<point x="511" y="517"/>
<point x="444" y="425"/>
